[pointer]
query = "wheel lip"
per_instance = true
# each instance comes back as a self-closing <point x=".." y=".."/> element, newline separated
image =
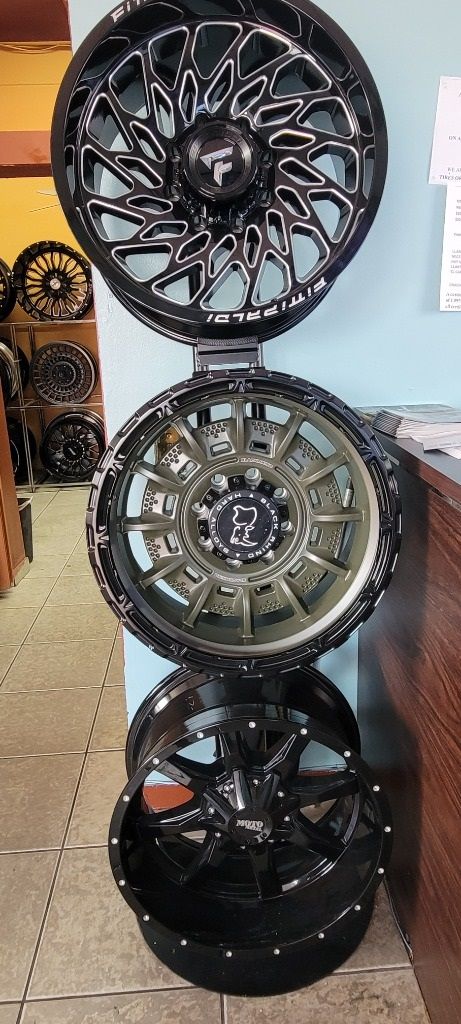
<point x="173" y="685"/>
<point x="24" y="301"/>
<point x="115" y="277"/>
<point x="239" y="714"/>
<point x="152" y="631"/>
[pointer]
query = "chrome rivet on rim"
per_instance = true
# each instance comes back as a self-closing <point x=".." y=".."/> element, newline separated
<point x="357" y="906"/>
<point x="126" y="799"/>
<point x="276" y="952"/>
<point x="321" y="935"/>
<point x="114" y="841"/>
<point x="122" y="882"/>
<point x="376" y="789"/>
<point x="387" y="828"/>
<point x="200" y="735"/>
<point x="252" y="725"/>
<point x="303" y="732"/>
<point x="183" y="942"/>
<point x="347" y="753"/>
<point x="155" y="760"/>
<point x="228" y="952"/>
<point x="280" y="793"/>
<point x="287" y="817"/>
<point x="218" y="835"/>
<point x="380" y="871"/>
<point x="146" y="917"/>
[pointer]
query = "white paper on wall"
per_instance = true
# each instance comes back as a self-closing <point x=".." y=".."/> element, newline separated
<point x="450" y="281"/>
<point x="446" y="146"/>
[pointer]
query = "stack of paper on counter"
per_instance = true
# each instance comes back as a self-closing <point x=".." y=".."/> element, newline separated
<point x="436" y="427"/>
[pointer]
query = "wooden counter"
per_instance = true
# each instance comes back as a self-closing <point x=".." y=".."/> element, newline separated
<point x="410" y="717"/>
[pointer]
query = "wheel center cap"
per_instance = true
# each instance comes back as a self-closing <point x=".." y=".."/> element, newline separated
<point x="55" y="284"/>
<point x="244" y="525"/>
<point x="219" y="161"/>
<point x="250" y="825"/>
<point x="73" y="450"/>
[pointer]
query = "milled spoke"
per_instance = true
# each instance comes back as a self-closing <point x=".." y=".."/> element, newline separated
<point x="284" y="755"/>
<point x="155" y="825"/>
<point x="265" y="872"/>
<point x="238" y="406"/>
<point x="169" y="483"/>
<point x="311" y="837"/>
<point x="337" y="514"/>
<point x="328" y="563"/>
<point x="312" y="476"/>
<point x="315" y="789"/>
<point x="197" y="601"/>
<point x="209" y="855"/>
<point x="233" y="749"/>
<point x="192" y="775"/>
<point x="291" y="428"/>
<point x="242" y="790"/>
<point x="299" y="610"/>
<point x="169" y="564"/>
<point x="148" y="522"/>
<point x="184" y="429"/>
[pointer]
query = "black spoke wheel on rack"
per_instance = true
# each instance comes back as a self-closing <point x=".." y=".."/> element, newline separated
<point x="243" y="518"/>
<point x="303" y="687"/>
<point x="18" y="449"/>
<point x="72" y="445"/>
<point x="53" y="282"/>
<point x="249" y="832"/>
<point x="219" y="169"/>
<point x="9" y="375"/>
<point x="21" y="361"/>
<point x="7" y="291"/>
<point x="63" y="372"/>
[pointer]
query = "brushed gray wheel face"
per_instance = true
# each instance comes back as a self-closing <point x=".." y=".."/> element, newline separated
<point x="220" y="170"/>
<point x="63" y="372"/>
<point x="244" y="525"/>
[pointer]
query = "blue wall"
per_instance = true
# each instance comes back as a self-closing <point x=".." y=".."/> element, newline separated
<point x="378" y="336"/>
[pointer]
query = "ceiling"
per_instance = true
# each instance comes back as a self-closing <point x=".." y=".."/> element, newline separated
<point x="29" y="21"/>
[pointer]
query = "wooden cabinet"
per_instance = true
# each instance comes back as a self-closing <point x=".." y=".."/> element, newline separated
<point x="410" y="719"/>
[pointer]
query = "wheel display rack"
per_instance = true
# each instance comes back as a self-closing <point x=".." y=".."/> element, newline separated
<point x="31" y="411"/>
<point x="221" y="171"/>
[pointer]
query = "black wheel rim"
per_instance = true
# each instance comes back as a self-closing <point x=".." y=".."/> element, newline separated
<point x="63" y="372"/>
<point x="53" y="282"/>
<point x="72" y="446"/>
<point x="9" y="375"/>
<point x="300" y="588"/>
<point x="240" y="847"/>
<point x="7" y="291"/>
<point x="303" y="688"/>
<point x="18" y="449"/>
<point x="220" y="171"/>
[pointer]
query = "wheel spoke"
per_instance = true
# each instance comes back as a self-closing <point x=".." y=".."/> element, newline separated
<point x="284" y="755"/>
<point x="337" y="514"/>
<point x="192" y="775"/>
<point x="157" y="825"/>
<point x="315" y="789"/>
<point x="265" y="872"/>
<point x="168" y="564"/>
<point x="329" y="564"/>
<point x="334" y="462"/>
<point x="209" y="855"/>
<point x="147" y="470"/>
<point x="310" y="837"/>
<point x="148" y="522"/>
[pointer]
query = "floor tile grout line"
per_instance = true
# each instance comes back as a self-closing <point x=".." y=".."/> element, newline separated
<point x="60" y="753"/>
<point x="61" y="850"/>
<point x="115" y="992"/>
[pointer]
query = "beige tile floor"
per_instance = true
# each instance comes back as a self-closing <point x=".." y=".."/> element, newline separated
<point x="70" y="950"/>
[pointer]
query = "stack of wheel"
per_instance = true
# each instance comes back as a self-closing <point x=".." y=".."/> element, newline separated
<point x="220" y="171"/>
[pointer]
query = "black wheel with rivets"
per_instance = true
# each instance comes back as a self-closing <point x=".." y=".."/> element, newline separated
<point x="7" y="291"/>
<point x="250" y="831"/>
<point x="303" y="687"/>
<point x="243" y="520"/>
<point x="219" y="168"/>
<point x="63" y="372"/>
<point x="53" y="282"/>
<point x="72" y="446"/>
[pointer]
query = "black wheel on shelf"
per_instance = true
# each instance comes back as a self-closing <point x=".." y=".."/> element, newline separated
<point x="9" y="374"/>
<point x="249" y="832"/>
<point x="243" y="520"/>
<point x="21" y="361"/>
<point x="53" y="281"/>
<point x="7" y="291"/>
<point x="63" y="372"/>
<point x="220" y="169"/>
<point x="18" y="449"/>
<point x="72" y="445"/>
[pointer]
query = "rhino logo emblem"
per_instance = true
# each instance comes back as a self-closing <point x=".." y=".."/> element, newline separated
<point x="244" y="520"/>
